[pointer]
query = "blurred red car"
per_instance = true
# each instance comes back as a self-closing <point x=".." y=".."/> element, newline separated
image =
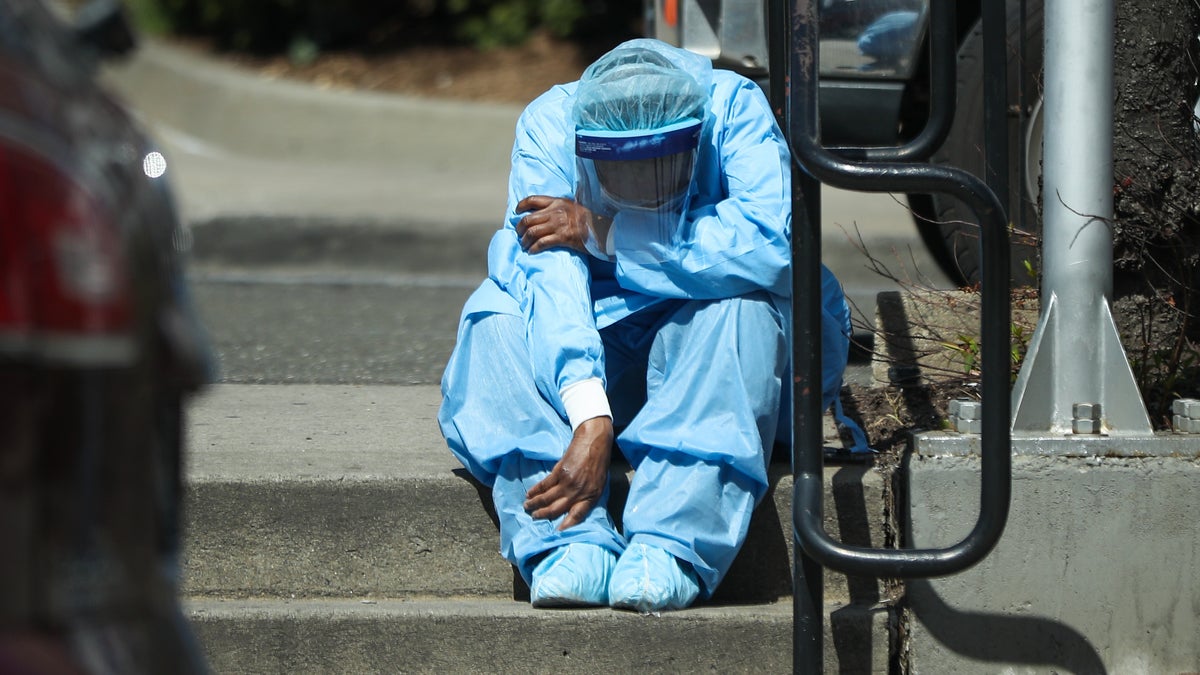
<point x="99" y="347"/>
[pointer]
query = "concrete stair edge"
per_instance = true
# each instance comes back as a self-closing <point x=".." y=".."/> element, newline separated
<point x="431" y="535"/>
<point x="350" y="492"/>
<point x="464" y="635"/>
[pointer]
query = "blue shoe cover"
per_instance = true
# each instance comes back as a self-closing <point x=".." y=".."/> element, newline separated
<point x="649" y="580"/>
<point x="574" y="575"/>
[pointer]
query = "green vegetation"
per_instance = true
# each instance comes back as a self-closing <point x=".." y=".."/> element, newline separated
<point x="148" y="17"/>
<point x="281" y="26"/>
<point x="491" y="23"/>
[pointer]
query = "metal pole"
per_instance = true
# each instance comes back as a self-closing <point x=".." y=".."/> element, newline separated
<point x="995" y="102"/>
<point x="808" y="576"/>
<point x="1075" y="357"/>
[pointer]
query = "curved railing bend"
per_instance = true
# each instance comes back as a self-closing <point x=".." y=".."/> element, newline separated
<point x="881" y="170"/>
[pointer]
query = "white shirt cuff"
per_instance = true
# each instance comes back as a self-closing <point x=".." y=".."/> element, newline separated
<point x="584" y="400"/>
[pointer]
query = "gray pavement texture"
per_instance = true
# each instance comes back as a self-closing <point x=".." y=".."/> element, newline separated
<point x="241" y="145"/>
<point x="340" y="432"/>
<point x="425" y="637"/>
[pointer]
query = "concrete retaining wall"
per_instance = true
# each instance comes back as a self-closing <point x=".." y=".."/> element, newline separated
<point x="1098" y="570"/>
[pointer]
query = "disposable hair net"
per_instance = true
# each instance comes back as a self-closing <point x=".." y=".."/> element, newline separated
<point x="638" y="118"/>
<point x="636" y="88"/>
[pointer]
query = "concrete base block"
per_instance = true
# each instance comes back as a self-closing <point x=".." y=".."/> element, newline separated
<point x="1098" y="570"/>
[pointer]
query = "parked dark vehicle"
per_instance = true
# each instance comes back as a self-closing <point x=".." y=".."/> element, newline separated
<point x="874" y="88"/>
<point x="98" y="349"/>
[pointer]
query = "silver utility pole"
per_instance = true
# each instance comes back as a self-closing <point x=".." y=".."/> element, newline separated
<point x="1076" y="378"/>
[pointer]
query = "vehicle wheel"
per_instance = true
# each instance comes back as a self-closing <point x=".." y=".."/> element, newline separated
<point x="954" y="228"/>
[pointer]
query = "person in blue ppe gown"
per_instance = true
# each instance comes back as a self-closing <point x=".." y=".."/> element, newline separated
<point x="637" y="294"/>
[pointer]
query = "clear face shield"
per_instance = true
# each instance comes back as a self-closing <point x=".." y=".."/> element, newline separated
<point x="638" y="182"/>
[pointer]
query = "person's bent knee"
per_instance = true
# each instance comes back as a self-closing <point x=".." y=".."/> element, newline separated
<point x="754" y="307"/>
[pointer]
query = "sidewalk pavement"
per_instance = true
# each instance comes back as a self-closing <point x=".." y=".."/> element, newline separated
<point x="241" y="145"/>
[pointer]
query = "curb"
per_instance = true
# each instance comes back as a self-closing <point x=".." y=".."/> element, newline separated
<point x="505" y="637"/>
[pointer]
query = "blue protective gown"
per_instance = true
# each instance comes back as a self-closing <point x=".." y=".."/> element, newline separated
<point x="691" y="348"/>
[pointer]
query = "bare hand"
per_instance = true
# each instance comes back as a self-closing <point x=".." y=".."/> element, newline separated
<point x="578" y="479"/>
<point x="553" y="222"/>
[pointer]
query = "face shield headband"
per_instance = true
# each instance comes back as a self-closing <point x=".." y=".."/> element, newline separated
<point x="643" y="173"/>
<point x="642" y="169"/>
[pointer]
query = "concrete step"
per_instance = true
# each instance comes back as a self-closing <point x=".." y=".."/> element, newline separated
<point x="311" y="491"/>
<point x="494" y="636"/>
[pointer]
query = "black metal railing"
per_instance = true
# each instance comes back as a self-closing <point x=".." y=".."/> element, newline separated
<point x="895" y="169"/>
